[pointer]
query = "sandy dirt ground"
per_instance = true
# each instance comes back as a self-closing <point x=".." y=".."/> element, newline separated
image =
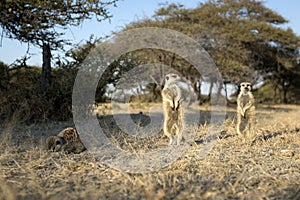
<point x="263" y="166"/>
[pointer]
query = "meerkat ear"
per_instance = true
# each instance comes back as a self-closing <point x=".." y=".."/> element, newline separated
<point x="57" y="142"/>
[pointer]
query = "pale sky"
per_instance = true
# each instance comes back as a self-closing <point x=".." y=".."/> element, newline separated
<point x="126" y="12"/>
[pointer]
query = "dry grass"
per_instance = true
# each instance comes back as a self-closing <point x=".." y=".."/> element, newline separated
<point x="263" y="167"/>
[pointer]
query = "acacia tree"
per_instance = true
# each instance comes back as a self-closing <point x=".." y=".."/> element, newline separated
<point x="42" y="23"/>
<point x="243" y="37"/>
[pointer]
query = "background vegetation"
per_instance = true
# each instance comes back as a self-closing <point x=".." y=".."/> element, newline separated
<point x="244" y="38"/>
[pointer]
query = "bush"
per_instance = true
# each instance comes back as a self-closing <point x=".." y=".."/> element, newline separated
<point x="21" y="97"/>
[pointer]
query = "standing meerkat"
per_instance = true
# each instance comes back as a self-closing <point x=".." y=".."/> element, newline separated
<point x="67" y="140"/>
<point x="245" y="108"/>
<point x="173" y="113"/>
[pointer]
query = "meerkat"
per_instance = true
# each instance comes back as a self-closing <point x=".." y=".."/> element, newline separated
<point x="67" y="140"/>
<point x="173" y="113"/>
<point x="245" y="108"/>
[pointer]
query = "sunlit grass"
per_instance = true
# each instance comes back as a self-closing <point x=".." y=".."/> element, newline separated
<point x="266" y="166"/>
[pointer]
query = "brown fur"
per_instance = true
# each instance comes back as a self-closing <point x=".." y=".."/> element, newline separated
<point x="67" y="140"/>
<point x="245" y="108"/>
<point x="173" y="113"/>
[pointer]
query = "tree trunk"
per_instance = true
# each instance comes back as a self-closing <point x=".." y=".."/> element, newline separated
<point x="275" y="93"/>
<point x="210" y="89"/>
<point x="285" y="100"/>
<point x="285" y="91"/>
<point x="226" y="93"/>
<point x="219" y="93"/>
<point x="46" y="68"/>
<point x="154" y="92"/>
<point x="196" y="84"/>
<point x="199" y="92"/>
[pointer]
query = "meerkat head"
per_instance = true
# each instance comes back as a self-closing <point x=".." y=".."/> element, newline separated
<point x="172" y="78"/>
<point x="55" y="143"/>
<point x="245" y="87"/>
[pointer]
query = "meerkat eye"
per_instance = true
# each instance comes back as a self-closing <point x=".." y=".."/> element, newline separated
<point x="167" y="78"/>
<point x="57" y="142"/>
<point x="243" y="85"/>
<point x="248" y="85"/>
<point x="174" y="76"/>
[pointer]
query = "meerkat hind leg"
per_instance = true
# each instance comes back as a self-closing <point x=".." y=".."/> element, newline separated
<point x="168" y="132"/>
<point x="238" y="128"/>
<point x="179" y="137"/>
<point x="251" y="123"/>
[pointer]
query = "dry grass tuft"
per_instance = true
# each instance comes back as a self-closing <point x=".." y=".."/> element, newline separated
<point x="266" y="166"/>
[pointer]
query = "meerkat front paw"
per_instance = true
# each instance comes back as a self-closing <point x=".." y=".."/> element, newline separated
<point x="243" y="113"/>
<point x="172" y="105"/>
<point x="176" y="105"/>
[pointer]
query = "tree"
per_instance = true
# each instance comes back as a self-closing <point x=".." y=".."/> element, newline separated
<point x="39" y="22"/>
<point x="243" y="37"/>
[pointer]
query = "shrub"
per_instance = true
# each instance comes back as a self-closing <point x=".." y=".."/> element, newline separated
<point x="21" y="97"/>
